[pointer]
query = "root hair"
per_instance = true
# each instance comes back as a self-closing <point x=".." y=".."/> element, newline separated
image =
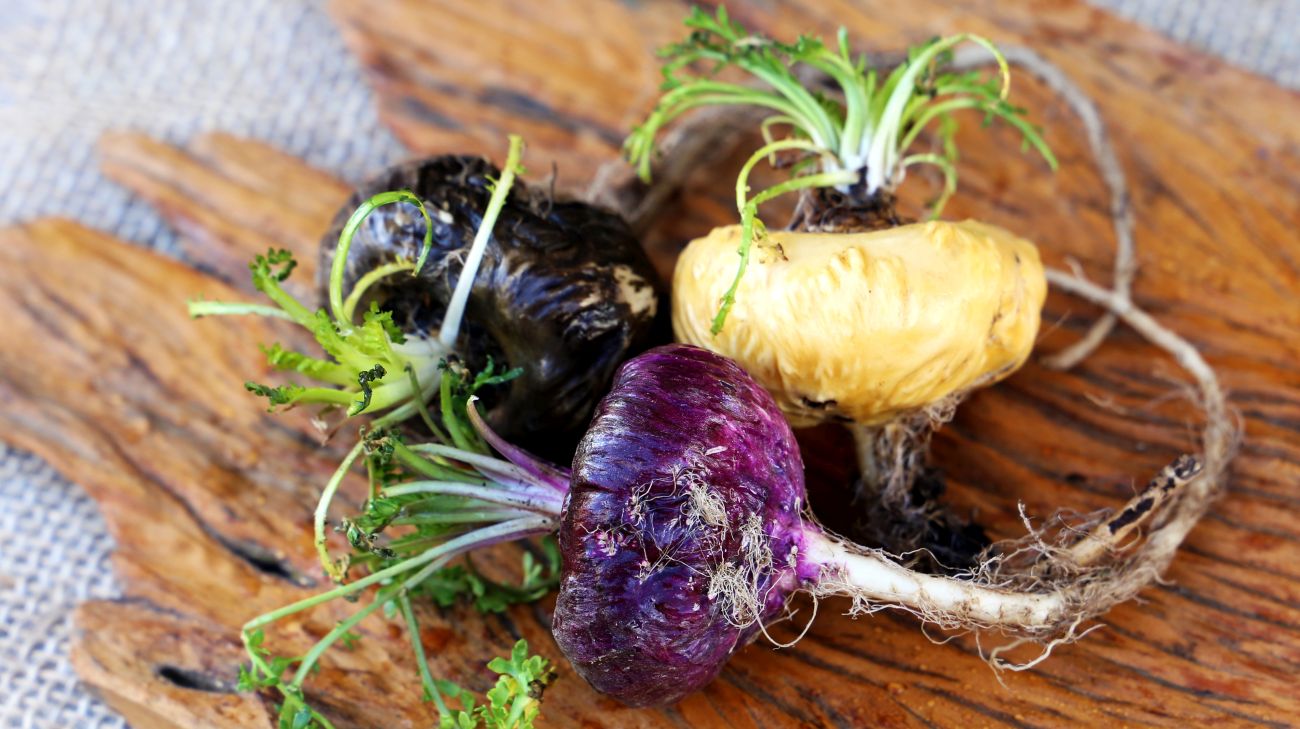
<point x="737" y="587"/>
<point x="893" y="459"/>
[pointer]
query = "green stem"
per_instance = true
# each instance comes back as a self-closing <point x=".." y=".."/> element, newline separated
<point x="857" y="101"/>
<point x="821" y="179"/>
<point x="429" y="469"/>
<point x="372" y="489"/>
<point x="324" y="396"/>
<point x="450" y="330"/>
<point x="506" y="531"/>
<point x="480" y="461"/>
<point x="671" y="104"/>
<point x="949" y="177"/>
<point x="884" y="148"/>
<point x="350" y="230"/>
<point x="704" y="92"/>
<point x="932" y="112"/>
<point x="417" y="645"/>
<point x="322" y="511"/>
<point x="768" y="150"/>
<point x="749" y="208"/>
<point x="415" y="543"/>
<point x="313" y="655"/>
<point x="421" y="407"/>
<point x="464" y="438"/>
<point x="534" y="500"/>
<point x="435" y="486"/>
<point x="365" y="282"/>
<point x="233" y="308"/>
<point x="459" y="517"/>
<point x="291" y="306"/>
<point x="435" y="506"/>
<point x="427" y="571"/>
<point x="326" y="371"/>
<point x="765" y="128"/>
<point x="821" y="127"/>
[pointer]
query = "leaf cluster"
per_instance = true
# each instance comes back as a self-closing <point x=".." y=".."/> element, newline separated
<point x="464" y="582"/>
<point x="267" y="671"/>
<point x="513" y="703"/>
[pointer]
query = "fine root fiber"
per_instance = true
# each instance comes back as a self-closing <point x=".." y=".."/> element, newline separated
<point x="899" y="494"/>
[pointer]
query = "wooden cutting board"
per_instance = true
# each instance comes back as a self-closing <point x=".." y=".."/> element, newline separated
<point x="209" y="498"/>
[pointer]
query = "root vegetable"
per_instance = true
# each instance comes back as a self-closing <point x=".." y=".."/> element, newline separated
<point x="465" y="263"/>
<point x="561" y="289"/>
<point x="867" y="327"/>
<point x="854" y="315"/>
<point x="685" y="532"/>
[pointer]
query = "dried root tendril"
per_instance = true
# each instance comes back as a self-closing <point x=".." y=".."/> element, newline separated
<point x="1121" y="211"/>
<point x="1108" y="536"/>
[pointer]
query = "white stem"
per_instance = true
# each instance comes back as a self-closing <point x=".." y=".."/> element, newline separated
<point x="323" y="507"/>
<point x="869" y="576"/>
<point x="419" y="347"/>
<point x="495" y="468"/>
<point x="542" y="502"/>
<point x="450" y="330"/>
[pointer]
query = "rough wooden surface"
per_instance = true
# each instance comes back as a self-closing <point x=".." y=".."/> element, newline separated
<point x="209" y="499"/>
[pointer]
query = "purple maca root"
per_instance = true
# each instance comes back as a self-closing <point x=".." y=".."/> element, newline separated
<point x="682" y="529"/>
<point x="684" y="533"/>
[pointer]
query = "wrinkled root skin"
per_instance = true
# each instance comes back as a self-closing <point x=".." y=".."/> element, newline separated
<point x="900" y="493"/>
<point x="681" y="426"/>
<point x="564" y="290"/>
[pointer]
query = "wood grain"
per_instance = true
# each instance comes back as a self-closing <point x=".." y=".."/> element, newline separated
<point x="209" y="499"/>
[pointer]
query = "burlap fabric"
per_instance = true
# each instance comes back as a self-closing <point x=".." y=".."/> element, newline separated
<point x="274" y="70"/>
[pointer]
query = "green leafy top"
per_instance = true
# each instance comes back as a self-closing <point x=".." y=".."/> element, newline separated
<point x="428" y="504"/>
<point x="515" y="700"/>
<point x="856" y="142"/>
<point x="371" y="366"/>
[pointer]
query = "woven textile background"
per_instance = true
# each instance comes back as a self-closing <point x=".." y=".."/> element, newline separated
<point x="274" y="70"/>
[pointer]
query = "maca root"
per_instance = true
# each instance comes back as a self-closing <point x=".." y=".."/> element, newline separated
<point x="897" y="489"/>
<point x="1059" y="575"/>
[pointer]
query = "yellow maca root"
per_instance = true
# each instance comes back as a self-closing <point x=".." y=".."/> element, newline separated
<point x="866" y="326"/>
